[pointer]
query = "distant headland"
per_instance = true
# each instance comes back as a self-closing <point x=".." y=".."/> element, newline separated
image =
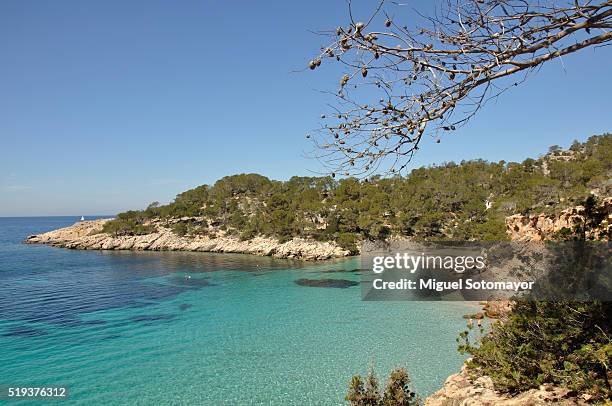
<point x="316" y="218"/>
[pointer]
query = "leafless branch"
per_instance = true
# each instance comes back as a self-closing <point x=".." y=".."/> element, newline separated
<point x="402" y="84"/>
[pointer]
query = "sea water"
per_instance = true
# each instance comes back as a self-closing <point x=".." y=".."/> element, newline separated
<point x="155" y="328"/>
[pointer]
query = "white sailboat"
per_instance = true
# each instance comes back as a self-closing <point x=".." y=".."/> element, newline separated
<point x="82" y="218"/>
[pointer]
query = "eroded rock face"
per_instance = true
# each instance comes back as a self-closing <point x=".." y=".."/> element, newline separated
<point x="87" y="235"/>
<point x="460" y="390"/>
<point x="543" y="226"/>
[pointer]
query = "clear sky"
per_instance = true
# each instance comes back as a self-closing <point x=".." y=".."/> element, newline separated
<point x="110" y="105"/>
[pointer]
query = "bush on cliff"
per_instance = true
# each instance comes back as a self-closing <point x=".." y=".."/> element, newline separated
<point x="127" y="225"/>
<point x="562" y="343"/>
<point x="181" y="229"/>
<point x="347" y="241"/>
<point x="397" y="391"/>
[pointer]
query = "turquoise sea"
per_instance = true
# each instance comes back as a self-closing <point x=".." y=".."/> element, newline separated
<point x="144" y="328"/>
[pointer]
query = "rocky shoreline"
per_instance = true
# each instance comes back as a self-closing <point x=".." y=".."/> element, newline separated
<point x="460" y="390"/>
<point x="87" y="235"/>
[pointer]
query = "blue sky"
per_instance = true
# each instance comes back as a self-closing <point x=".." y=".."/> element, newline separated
<point x="110" y="105"/>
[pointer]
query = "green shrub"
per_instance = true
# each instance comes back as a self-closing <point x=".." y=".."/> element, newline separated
<point x="142" y="229"/>
<point x="561" y="343"/>
<point x="126" y="225"/>
<point x="347" y="241"/>
<point x="565" y="343"/>
<point x="118" y="227"/>
<point x="397" y="391"/>
<point x="181" y="229"/>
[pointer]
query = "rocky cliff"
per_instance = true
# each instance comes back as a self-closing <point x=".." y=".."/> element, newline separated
<point x="87" y="235"/>
<point x="544" y="226"/>
<point x="460" y="390"/>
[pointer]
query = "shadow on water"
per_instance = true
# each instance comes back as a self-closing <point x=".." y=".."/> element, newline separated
<point x="23" y="331"/>
<point x="151" y="319"/>
<point x="111" y="337"/>
<point x="356" y="271"/>
<point x="327" y="283"/>
<point x="91" y="282"/>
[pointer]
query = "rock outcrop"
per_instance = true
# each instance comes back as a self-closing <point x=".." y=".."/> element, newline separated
<point x="88" y="235"/>
<point x="460" y="390"/>
<point x="543" y="226"/>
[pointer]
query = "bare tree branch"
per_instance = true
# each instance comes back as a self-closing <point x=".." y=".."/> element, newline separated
<point x="401" y="84"/>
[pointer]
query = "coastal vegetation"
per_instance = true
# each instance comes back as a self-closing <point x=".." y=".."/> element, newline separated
<point x="445" y="201"/>
<point x="397" y="391"/>
<point x="559" y="347"/>
<point x="563" y="343"/>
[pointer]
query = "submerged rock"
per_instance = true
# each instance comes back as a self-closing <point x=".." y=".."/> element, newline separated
<point x="148" y="319"/>
<point x="460" y="390"/>
<point x="327" y="283"/>
<point x="24" y="331"/>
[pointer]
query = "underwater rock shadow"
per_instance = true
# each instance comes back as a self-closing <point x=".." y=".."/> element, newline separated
<point x="111" y="337"/>
<point x="24" y="331"/>
<point x="151" y="319"/>
<point x="354" y="270"/>
<point x="326" y="283"/>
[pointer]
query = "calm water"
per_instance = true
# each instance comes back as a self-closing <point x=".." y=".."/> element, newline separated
<point x="196" y="328"/>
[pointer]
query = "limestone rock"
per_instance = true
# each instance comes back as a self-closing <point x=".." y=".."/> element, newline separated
<point x="543" y="226"/>
<point x="88" y="235"/>
<point x="460" y="390"/>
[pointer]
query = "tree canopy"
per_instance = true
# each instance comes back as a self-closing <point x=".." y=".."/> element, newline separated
<point x="442" y="201"/>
